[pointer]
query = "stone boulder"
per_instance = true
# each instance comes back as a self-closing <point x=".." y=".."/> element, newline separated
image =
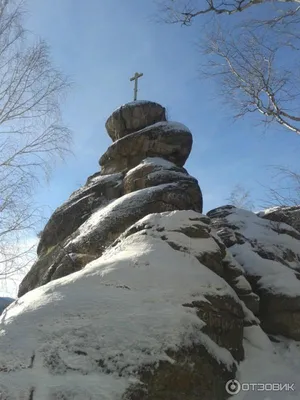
<point x="269" y="253"/>
<point x="152" y="172"/>
<point x="148" y="177"/>
<point x="288" y="215"/>
<point x="105" y="225"/>
<point x="132" y="117"/>
<point x="136" y="295"/>
<point x="234" y="274"/>
<point x="98" y="191"/>
<point x="168" y="140"/>
<point x="146" y="320"/>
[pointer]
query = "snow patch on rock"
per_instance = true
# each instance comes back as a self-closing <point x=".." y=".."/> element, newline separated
<point x="122" y="311"/>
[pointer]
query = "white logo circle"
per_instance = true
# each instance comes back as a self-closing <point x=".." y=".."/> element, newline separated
<point x="233" y="386"/>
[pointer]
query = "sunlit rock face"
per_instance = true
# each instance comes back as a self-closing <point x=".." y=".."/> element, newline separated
<point x="136" y="295"/>
<point x="149" y="319"/>
<point x="167" y="140"/>
<point x="132" y="117"/>
<point x="141" y="173"/>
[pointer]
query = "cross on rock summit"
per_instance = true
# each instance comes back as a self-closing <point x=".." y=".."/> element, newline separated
<point x="135" y="79"/>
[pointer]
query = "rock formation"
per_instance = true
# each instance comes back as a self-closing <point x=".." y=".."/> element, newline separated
<point x="138" y="296"/>
<point x="5" y="302"/>
<point x="289" y="215"/>
<point x="141" y="173"/>
<point x="269" y="253"/>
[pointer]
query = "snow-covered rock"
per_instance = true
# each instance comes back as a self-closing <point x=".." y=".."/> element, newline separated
<point x="104" y="225"/>
<point x="136" y="295"/>
<point x="132" y="117"/>
<point x="141" y="174"/>
<point x="146" y="320"/>
<point x="275" y="361"/>
<point x="169" y="140"/>
<point x="270" y="256"/>
<point x="97" y="191"/>
<point x="152" y="172"/>
<point x="289" y="215"/>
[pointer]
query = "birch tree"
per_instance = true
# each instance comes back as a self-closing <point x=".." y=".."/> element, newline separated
<point x="285" y="188"/>
<point x="32" y="135"/>
<point x="240" y="198"/>
<point x="253" y="54"/>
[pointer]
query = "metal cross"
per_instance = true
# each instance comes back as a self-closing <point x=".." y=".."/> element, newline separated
<point x="135" y="79"/>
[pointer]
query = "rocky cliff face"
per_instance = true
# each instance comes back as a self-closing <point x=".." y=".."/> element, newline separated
<point x="138" y="296"/>
<point x="141" y="173"/>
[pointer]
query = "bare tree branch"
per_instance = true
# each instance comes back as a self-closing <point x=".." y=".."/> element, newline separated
<point x="250" y="79"/>
<point x="255" y="59"/>
<point x="240" y="198"/>
<point x="32" y="135"/>
<point x="285" y="191"/>
<point x="185" y="11"/>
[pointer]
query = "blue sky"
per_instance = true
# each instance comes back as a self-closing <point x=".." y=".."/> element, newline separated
<point x="100" y="45"/>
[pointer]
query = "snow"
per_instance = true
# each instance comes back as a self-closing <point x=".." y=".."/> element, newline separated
<point x="268" y="362"/>
<point x="133" y="104"/>
<point x="162" y="168"/>
<point x="116" y="209"/>
<point x="104" y="179"/>
<point x="242" y="283"/>
<point x="154" y="162"/>
<point x="123" y="309"/>
<point x="268" y="211"/>
<point x="170" y="225"/>
<point x="230" y="259"/>
<point x="276" y="208"/>
<point x="174" y="220"/>
<point x="262" y="235"/>
<point x="170" y="174"/>
<point x="262" y="230"/>
<point x="249" y="316"/>
<point x="167" y="126"/>
<point x="275" y="276"/>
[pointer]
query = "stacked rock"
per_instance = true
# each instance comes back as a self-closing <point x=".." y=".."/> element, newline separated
<point x="141" y="173"/>
<point x="140" y="130"/>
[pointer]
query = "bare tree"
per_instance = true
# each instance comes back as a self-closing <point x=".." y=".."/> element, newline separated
<point x="185" y="11"/>
<point x="255" y="60"/>
<point x="285" y="191"/>
<point x="31" y="132"/>
<point x="252" y="77"/>
<point x="240" y="198"/>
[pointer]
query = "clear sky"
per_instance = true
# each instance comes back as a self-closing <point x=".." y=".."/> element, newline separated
<point x="100" y="45"/>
